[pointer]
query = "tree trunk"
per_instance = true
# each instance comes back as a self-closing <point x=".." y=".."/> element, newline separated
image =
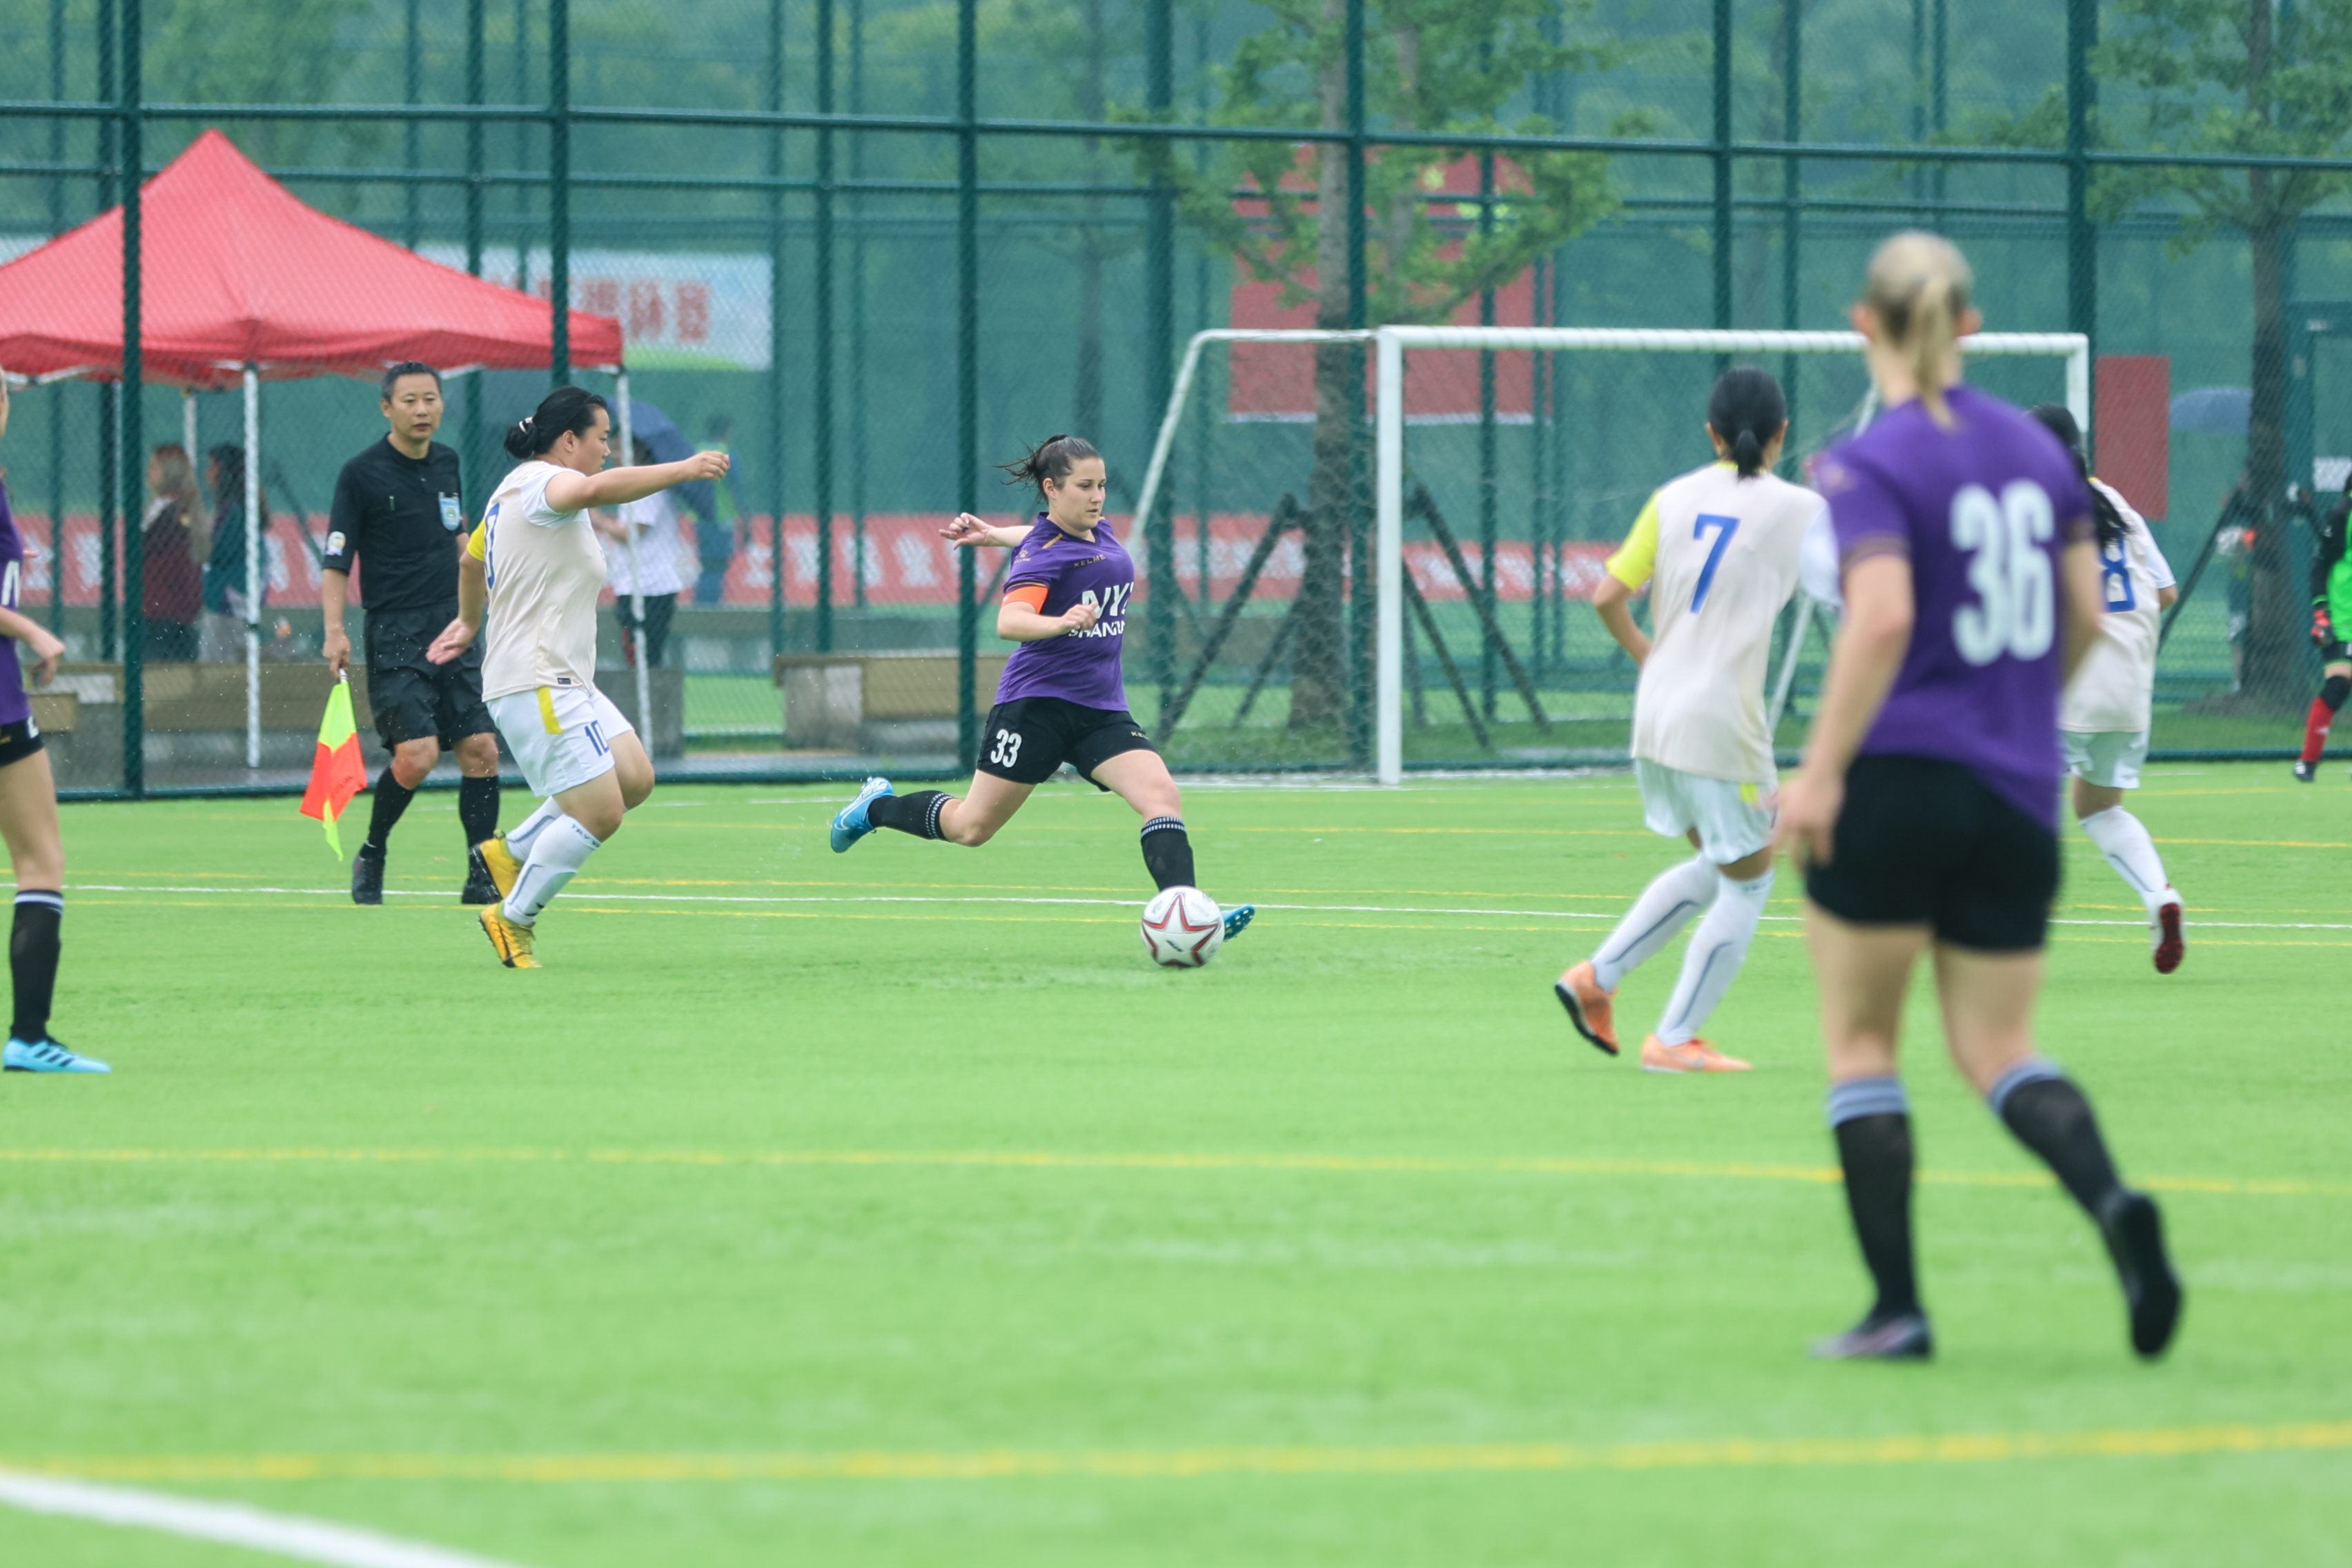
<point x="2273" y="663"/>
<point x="1318" y="666"/>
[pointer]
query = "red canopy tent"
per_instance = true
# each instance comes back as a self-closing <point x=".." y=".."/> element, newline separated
<point x="236" y="272"/>
<point x="240" y="281"/>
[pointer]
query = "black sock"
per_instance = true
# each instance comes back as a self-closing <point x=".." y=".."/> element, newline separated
<point x="1168" y="853"/>
<point x="1872" y="1119"/>
<point x="33" y="961"/>
<point x="2050" y="1116"/>
<point x="478" y="809"/>
<point x="390" y="799"/>
<point x="918" y="813"/>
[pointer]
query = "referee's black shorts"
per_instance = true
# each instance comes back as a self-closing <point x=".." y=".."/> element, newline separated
<point x="1922" y="841"/>
<point x="413" y="698"/>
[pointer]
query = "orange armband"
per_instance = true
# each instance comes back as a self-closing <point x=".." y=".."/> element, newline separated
<point x="1032" y="594"/>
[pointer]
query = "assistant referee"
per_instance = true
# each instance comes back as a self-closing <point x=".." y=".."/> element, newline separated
<point x="400" y="507"/>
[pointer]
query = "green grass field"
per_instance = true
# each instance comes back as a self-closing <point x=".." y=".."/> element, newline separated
<point x="838" y="1211"/>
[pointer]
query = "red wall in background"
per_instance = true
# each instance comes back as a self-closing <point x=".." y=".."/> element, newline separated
<point x="2131" y="429"/>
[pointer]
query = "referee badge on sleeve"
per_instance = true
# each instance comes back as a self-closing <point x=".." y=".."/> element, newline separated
<point x="452" y="514"/>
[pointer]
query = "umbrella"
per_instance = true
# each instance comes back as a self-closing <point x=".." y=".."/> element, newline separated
<point x="2213" y="410"/>
<point x="661" y="436"/>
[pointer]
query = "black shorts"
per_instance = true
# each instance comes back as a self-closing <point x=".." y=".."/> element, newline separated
<point x="413" y="698"/>
<point x="1922" y="841"/>
<point x="19" y="740"/>
<point x="1026" y="739"/>
<point x="2337" y="652"/>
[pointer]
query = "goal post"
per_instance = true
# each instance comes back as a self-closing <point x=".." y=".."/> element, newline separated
<point x="1390" y="346"/>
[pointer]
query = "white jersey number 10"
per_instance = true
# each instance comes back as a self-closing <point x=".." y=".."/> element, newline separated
<point x="2016" y="612"/>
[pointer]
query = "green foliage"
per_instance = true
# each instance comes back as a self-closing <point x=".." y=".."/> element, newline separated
<point x="256" y="51"/>
<point x="1444" y="66"/>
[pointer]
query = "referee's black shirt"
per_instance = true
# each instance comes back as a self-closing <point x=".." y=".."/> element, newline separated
<point x="403" y="517"/>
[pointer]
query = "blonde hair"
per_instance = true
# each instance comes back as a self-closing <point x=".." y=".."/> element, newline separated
<point x="178" y="476"/>
<point x="1918" y="289"/>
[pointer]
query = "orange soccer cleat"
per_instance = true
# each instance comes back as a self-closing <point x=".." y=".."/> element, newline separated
<point x="1588" y="1005"/>
<point x="1691" y="1056"/>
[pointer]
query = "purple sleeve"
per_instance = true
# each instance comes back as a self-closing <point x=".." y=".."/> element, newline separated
<point x="1866" y="513"/>
<point x="1032" y="566"/>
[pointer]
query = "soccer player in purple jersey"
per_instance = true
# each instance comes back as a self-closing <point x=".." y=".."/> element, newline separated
<point x="1926" y="812"/>
<point x="1062" y="697"/>
<point x="29" y="819"/>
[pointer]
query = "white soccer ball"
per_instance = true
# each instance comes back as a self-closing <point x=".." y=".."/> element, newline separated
<point x="1183" y="928"/>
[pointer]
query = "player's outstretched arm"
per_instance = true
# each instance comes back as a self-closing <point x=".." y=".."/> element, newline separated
<point x="46" y="648"/>
<point x="1016" y="621"/>
<point x="968" y="531"/>
<point x="1863" y="662"/>
<point x="1613" y="600"/>
<point x="458" y="634"/>
<point x="569" y="491"/>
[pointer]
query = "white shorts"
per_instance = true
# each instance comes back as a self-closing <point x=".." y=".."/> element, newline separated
<point x="563" y="736"/>
<point x="2109" y="758"/>
<point x="1732" y="819"/>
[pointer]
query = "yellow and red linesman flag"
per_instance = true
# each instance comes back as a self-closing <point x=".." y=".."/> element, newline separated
<point x="337" y="774"/>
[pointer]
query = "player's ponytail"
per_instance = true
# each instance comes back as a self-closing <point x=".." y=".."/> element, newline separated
<point x="1051" y="459"/>
<point x="1747" y="412"/>
<point x="2059" y="420"/>
<point x="1918" y="289"/>
<point x="567" y="410"/>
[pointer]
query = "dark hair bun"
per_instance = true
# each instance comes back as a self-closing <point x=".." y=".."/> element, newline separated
<point x="522" y="439"/>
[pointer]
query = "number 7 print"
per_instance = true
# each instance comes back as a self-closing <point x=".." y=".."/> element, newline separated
<point x="1728" y="526"/>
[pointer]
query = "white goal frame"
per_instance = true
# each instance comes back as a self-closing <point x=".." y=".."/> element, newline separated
<point x="1389" y="345"/>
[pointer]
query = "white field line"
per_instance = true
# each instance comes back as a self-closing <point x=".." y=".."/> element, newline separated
<point x="230" y="1523"/>
<point x="585" y="893"/>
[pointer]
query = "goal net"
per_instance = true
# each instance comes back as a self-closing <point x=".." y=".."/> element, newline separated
<point x="1384" y="544"/>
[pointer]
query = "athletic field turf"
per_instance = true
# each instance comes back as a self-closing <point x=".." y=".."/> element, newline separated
<point x="888" y="1209"/>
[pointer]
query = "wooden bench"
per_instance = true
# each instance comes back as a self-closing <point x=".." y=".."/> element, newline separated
<point x="878" y="702"/>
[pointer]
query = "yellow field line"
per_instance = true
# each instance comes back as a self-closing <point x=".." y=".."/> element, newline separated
<point x="1081" y="1160"/>
<point x="1188" y="1464"/>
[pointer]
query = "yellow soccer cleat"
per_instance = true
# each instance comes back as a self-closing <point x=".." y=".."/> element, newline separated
<point x="1691" y="1056"/>
<point x="512" y="942"/>
<point x="500" y="862"/>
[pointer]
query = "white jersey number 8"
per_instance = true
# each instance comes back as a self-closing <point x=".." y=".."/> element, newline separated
<point x="2016" y="610"/>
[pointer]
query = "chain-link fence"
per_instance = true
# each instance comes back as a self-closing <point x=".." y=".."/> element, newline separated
<point x="872" y="246"/>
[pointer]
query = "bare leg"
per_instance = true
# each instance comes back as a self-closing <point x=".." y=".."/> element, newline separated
<point x="985" y="807"/>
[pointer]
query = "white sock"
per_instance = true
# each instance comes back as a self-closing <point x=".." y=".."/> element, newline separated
<point x="2124" y="842"/>
<point x="1712" y="961"/>
<point x="556" y="853"/>
<point x="520" y="836"/>
<point x="1659" y="915"/>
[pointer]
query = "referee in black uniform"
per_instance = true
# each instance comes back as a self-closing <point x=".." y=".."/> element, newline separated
<point x="400" y="507"/>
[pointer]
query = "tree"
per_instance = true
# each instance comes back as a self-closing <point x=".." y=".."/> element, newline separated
<point x="1442" y="66"/>
<point x="2258" y="78"/>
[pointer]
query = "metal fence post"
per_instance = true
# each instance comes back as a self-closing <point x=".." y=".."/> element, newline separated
<point x="412" y="130"/>
<point x="470" y="447"/>
<point x="821" y="416"/>
<point x="133" y="442"/>
<point x="110" y="398"/>
<point x="1159" y="334"/>
<point x="1363" y="580"/>
<point x="967" y="367"/>
<point x="2082" y="239"/>
<point x="857" y="310"/>
<point x="57" y="424"/>
<point x="1722" y="160"/>
<point x="1792" y="212"/>
<point x="558" y="189"/>
<point x="1489" y="511"/>
<point x="775" y="420"/>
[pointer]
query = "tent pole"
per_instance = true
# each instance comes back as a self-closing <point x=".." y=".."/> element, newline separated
<point x="252" y="567"/>
<point x="188" y="426"/>
<point x="637" y="571"/>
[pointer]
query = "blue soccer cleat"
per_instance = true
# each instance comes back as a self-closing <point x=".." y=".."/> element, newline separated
<point x="1237" y="919"/>
<point x="47" y="1055"/>
<point x="849" y="824"/>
